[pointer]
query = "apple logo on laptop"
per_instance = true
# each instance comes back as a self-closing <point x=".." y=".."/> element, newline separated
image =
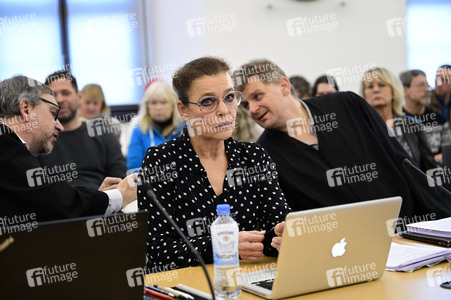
<point x="339" y="248"/>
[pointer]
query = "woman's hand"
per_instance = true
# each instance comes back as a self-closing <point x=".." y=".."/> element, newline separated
<point x="278" y="230"/>
<point x="250" y="244"/>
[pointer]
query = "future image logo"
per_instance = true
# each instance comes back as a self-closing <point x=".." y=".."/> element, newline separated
<point x="312" y="224"/>
<point x="398" y="225"/>
<point x="398" y="127"/>
<point x="351" y="274"/>
<point x="50" y="275"/>
<point x="108" y="25"/>
<point x="438" y="176"/>
<point x="196" y="227"/>
<point x="112" y="224"/>
<point x="201" y="226"/>
<point x="135" y="277"/>
<point x="251" y="175"/>
<point x="18" y="223"/>
<point x="233" y="277"/>
<point x="106" y="125"/>
<point x="18" y="23"/>
<point x="251" y="74"/>
<point x="313" y="124"/>
<point x="350" y="74"/>
<point x="312" y="24"/>
<point x="35" y="177"/>
<point x="208" y="25"/>
<point x="350" y="175"/>
<point x="396" y="27"/>
<point x="209" y="126"/>
<point x="158" y="173"/>
<point x="142" y="75"/>
<point x="51" y="174"/>
<point x="437" y="276"/>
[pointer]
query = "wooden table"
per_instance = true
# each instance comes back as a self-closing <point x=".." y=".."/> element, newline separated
<point x="421" y="284"/>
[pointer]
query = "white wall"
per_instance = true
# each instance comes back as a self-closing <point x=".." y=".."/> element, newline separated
<point x="344" y="37"/>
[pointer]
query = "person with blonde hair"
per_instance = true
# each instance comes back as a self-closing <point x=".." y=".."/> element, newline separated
<point x="384" y="93"/>
<point x="92" y="102"/>
<point x="159" y="122"/>
<point x="332" y="149"/>
<point x="246" y="130"/>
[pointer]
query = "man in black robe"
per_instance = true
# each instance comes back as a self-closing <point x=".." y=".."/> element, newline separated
<point x="29" y="127"/>
<point x="333" y="149"/>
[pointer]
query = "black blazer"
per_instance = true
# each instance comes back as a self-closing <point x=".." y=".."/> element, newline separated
<point x="23" y="189"/>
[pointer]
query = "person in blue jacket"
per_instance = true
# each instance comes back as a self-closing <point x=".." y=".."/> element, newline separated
<point x="159" y="122"/>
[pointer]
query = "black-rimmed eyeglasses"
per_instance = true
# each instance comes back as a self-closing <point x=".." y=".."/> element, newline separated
<point x="209" y="104"/>
<point x="59" y="108"/>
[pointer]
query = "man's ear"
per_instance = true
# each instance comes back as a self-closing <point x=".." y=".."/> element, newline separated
<point x="183" y="110"/>
<point x="25" y="109"/>
<point x="286" y="86"/>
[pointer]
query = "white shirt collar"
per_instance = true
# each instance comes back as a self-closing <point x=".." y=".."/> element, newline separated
<point x="23" y="142"/>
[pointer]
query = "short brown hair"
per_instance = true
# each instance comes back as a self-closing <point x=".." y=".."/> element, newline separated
<point x="264" y="69"/>
<point x="204" y="66"/>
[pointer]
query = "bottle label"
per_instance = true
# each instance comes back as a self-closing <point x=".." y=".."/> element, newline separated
<point x="225" y="246"/>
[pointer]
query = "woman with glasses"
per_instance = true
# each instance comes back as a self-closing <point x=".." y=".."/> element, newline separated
<point x="204" y="167"/>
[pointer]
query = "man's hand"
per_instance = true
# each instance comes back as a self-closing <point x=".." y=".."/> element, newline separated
<point x="250" y="245"/>
<point x="109" y="183"/>
<point x="277" y="240"/>
<point x="128" y="189"/>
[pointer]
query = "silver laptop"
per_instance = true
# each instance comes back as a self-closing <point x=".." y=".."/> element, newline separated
<point x="329" y="247"/>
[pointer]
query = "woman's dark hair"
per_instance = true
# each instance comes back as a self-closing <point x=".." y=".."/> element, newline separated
<point x="330" y="80"/>
<point x="204" y="66"/>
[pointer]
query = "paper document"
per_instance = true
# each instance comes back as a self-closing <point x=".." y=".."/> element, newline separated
<point x="438" y="228"/>
<point x="409" y="258"/>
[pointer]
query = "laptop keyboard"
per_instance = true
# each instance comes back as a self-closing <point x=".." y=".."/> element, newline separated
<point x="266" y="284"/>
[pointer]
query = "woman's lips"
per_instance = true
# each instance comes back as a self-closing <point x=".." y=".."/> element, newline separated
<point x="224" y="125"/>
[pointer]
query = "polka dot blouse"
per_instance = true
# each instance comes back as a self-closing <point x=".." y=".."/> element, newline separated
<point x="181" y="185"/>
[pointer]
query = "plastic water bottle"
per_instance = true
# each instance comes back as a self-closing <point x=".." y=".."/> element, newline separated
<point x="224" y="237"/>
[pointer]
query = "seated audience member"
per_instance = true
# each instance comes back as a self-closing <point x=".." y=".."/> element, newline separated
<point x="333" y="149"/>
<point x="92" y="102"/>
<point x="126" y="133"/>
<point x="246" y="130"/>
<point x="93" y="106"/>
<point x="159" y="122"/>
<point x="210" y="168"/>
<point x="301" y="87"/>
<point x="383" y="92"/>
<point x="324" y="85"/>
<point x="29" y="127"/>
<point x="127" y="130"/>
<point x="441" y="95"/>
<point x="418" y="96"/>
<point x="94" y="154"/>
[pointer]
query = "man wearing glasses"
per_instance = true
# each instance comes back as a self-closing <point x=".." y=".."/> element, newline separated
<point x="29" y="127"/>
<point x="418" y="95"/>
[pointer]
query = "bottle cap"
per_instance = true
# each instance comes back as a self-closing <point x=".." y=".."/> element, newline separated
<point x="223" y="209"/>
